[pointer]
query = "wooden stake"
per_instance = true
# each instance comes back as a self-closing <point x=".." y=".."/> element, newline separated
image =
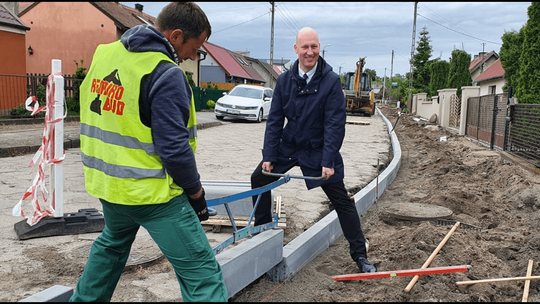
<point x="498" y="280"/>
<point x="528" y="282"/>
<point x="432" y="256"/>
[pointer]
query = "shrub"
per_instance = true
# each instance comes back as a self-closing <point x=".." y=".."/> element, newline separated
<point x="210" y="104"/>
<point x="21" y="109"/>
<point x="73" y="106"/>
<point x="211" y="86"/>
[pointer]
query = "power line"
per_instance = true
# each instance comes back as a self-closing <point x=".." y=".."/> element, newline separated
<point x="401" y="56"/>
<point x="298" y="25"/>
<point x="240" y="23"/>
<point x="441" y="17"/>
<point x="459" y="32"/>
<point x="287" y="22"/>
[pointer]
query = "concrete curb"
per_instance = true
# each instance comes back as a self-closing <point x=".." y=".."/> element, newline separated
<point x="22" y="150"/>
<point x="69" y="141"/>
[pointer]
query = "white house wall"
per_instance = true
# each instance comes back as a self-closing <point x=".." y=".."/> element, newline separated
<point x="484" y="86"/>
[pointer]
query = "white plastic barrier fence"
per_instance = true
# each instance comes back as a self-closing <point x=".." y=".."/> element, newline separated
<point x="50" y="154"/>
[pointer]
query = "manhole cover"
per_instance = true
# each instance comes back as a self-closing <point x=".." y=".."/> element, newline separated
<point x="418" y="212"/>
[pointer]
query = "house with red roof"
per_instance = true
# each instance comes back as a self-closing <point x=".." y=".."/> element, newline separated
<point x="223" y="66"/>
<point x="487" y="72"/>
<point x="71" y="31"/>
<point x="482" y="62"/>
<point x="491" y="81"/>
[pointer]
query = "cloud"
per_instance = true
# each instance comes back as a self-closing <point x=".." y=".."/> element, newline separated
<point x="361" y="29"/>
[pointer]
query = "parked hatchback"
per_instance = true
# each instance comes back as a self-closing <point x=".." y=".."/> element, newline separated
<point x="244" y="101"/>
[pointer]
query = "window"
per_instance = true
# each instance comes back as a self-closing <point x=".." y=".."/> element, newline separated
<point x="241" y="60"/>
<point x="492" y="89"/>
<point x="268" y="93"/>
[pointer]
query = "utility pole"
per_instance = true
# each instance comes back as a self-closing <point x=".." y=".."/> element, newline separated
<point x="391" y="70"/>
<point x="272" y="45"/>
<point x="409" y="99"/>
<point x="384" y="85"/>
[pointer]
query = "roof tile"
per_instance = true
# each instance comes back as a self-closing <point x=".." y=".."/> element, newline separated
<point x="9" y="19"/>
<point x="226" y="59"/>
<point x="494" y="71"/>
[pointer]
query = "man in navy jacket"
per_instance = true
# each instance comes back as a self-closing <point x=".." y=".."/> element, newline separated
<point x="310" y="98"/>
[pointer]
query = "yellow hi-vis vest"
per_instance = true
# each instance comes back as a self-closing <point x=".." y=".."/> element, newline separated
<point x="118" y="155"/>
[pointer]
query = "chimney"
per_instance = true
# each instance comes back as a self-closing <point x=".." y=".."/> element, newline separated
<point x="139" y="7"/>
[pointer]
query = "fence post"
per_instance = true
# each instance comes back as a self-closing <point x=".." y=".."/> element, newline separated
<point x="494" y="122"/>
<point x="509" y="116"/>
<point x="57" y="174"/>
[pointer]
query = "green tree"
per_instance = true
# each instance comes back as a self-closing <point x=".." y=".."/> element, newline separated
<point x="459" y="74"/>
<point x="438" y="74"/>
<point x="528" y="86"/>
<point x="509" y="55"/>
<point x="397" y="93"/>
<point x="371" y="73"/>
<point x="421" y="62"/>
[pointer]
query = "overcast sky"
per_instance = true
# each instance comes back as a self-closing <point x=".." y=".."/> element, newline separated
<point x="349" y="30"/>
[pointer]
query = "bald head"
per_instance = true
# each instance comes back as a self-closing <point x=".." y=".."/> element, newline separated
<point x="307" y="48"/>
<point x="305" y="31"/>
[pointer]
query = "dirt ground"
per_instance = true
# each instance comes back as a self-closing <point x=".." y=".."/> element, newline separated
<point x="478" y="185"/>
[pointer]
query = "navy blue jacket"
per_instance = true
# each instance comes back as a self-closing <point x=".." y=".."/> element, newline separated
<point x="315" y="117"/>
<point x="164" y="103"/>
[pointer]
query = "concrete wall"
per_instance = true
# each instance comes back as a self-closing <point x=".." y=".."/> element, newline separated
<point x="444" y="106"/>
<point x="425" y="107"/>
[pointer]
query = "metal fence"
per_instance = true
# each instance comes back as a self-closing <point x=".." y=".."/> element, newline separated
<point x="486" y="119"/>
<point x="202" y="95"/>
<point x="524" y="132"/>
<point x="15" y="89"/>
<point x="493" y="121"/>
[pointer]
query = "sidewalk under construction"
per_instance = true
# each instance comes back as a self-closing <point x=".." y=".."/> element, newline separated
<point x="281" y="262"/>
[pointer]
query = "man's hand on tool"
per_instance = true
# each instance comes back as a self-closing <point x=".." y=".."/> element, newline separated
<point x="198" y="203"/>
<point x="267" y="166"/>
<point x="327" y="172"/>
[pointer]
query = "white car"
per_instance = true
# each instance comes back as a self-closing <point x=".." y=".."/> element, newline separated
<point x="244" y="101"/>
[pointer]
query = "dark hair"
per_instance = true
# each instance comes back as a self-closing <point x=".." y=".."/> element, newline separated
<point x="187" y="16"/>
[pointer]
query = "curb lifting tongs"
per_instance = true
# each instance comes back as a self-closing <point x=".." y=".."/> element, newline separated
<point x="248" y="230"/>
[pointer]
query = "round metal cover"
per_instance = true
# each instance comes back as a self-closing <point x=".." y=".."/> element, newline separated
<point x="418" y="212"/>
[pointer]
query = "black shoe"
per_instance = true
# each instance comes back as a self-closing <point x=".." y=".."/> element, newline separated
<point x="364" y="265"/>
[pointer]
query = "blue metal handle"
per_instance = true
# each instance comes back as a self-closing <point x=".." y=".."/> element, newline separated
<point x="249" y="231"/>
<point x="245" y="194"/>
<point x="294" y="176"/>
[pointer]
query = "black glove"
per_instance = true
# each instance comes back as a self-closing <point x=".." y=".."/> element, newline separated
<point x="199" y="205"/>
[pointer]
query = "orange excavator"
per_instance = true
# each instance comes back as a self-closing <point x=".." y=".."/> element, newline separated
<point x="358" y="92"/>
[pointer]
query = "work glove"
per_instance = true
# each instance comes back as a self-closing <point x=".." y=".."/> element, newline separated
<point x="199" y="205"/>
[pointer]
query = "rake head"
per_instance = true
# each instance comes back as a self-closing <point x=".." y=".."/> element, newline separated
<point x="441" y="222"/>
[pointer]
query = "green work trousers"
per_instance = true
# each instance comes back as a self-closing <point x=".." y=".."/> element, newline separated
<point x="175" y="228"/>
